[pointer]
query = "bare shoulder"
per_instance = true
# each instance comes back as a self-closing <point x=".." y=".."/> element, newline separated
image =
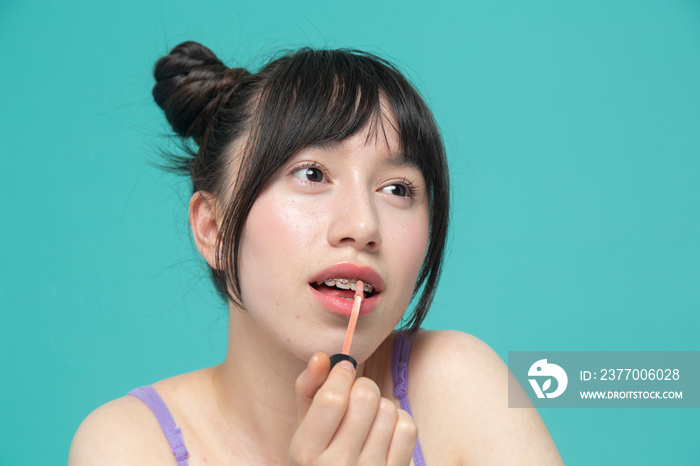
<point x="121" y="432"/>
<point x="458" y="388"/>
<point x="455" y="354"/>
<point x="454" y="367"/>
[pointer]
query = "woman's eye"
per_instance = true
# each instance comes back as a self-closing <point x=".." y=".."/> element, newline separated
<point x="313" y="174"/>
<point x="396" y="190"/>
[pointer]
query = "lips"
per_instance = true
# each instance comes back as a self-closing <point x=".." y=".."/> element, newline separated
<point x="338" y="302"/>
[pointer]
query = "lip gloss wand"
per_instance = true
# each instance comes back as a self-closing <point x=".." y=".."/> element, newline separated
<point x="345" y="354"/>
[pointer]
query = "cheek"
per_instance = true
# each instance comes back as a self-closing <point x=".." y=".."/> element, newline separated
<point x="276" y="236"/>
<point x="414" y="240"/>
<point x="414" y="236"/>
<point x="409" y="240"/>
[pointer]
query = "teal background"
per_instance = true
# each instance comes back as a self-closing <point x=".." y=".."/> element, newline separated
<point x="573" y="130"/>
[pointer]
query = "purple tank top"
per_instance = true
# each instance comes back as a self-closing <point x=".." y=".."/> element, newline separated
<point x="172" y="432"/>
<point x="399" y="372"/>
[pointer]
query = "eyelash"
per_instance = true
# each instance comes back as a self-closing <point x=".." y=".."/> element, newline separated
<point x="306" y="165"/>
<point x="411" y="189"/>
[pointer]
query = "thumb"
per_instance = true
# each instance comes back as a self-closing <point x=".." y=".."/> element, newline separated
<point x="310" y="381"/>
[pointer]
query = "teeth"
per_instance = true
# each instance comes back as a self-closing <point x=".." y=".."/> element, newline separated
<point x="345" y="284"/>
<point x="342" y="284"/>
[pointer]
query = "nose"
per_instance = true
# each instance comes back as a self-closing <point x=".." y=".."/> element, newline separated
<point x="354" y="222"/>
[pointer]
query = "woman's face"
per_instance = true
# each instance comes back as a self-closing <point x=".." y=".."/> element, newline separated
<point x="352" y="210"/>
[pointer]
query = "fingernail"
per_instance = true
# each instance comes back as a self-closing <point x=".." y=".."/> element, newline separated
<point x="347" y="365"/>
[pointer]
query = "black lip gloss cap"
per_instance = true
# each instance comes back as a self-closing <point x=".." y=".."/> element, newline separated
<point x="336" y="358"/>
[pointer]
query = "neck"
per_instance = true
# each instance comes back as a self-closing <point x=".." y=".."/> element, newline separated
<point x="255" y="391"/>
<point x="255" y="386"/>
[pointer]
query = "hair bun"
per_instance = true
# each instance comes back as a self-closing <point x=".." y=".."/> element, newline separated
<point x="191" y="83"/>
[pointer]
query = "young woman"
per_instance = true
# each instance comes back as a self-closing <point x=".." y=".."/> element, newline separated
<point x="322" y="169"/>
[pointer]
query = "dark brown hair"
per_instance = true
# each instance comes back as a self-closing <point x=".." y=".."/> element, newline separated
<point x="304" y="98"/>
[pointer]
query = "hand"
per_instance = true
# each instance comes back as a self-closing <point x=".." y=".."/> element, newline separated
<point x="343" y="421"/>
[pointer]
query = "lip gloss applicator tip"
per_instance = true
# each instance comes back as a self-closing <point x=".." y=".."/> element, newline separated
<point x="345" y="354"/>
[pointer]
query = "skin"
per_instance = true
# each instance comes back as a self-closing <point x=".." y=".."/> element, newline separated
<point x="274" y="399"/>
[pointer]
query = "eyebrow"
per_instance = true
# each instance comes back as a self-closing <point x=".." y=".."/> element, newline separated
<point x="402" y="160"/>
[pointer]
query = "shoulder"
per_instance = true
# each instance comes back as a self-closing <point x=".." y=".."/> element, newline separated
<point x="452" y="346"/>
<point x="121" y="432"/>
<point x="458" y="389"/>
<point x="465" y="367"/>
<point x="455" y="356"/>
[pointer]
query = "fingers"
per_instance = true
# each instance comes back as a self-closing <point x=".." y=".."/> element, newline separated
<point x="347" y="421"/>
<point x="357" y="423"/>
<point x="374" y="430"/>
<point x="403" y="440"/>
<point x="376" y="447"/>
<point x="310" y="381"/>
<point x="320" y="418"/>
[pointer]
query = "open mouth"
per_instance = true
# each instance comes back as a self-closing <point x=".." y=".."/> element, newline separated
<point x="341" y="287"/>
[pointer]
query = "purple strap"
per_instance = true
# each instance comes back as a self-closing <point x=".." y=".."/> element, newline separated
<point x="172" y="432"/>
<point x="399" y="371"/>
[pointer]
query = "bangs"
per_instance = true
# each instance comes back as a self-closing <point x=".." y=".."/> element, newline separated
<point x="324" y="96"/>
